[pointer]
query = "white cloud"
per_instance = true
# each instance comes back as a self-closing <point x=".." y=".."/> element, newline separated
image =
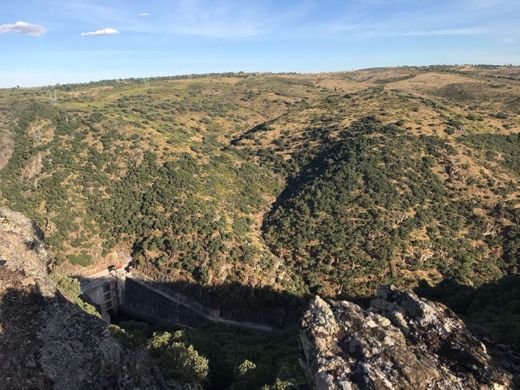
<point x="144" y="14"/>
<point x="23" y="28"/>
<point x="103" y="31"/>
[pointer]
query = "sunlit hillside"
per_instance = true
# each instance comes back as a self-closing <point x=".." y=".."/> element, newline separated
<point x="303" y="182"/>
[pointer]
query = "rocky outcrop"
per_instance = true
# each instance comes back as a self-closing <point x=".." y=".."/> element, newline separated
<point x="400" y="342"/>
<point x="47" y="342"/>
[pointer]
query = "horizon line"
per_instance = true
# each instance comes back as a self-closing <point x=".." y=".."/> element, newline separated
<point x="202" y="74"/>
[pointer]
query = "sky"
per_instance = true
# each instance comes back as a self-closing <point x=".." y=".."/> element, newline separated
<point x="45" y="42"/>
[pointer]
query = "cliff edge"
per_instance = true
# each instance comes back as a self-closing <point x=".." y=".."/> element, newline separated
<point x="47" y="342"/>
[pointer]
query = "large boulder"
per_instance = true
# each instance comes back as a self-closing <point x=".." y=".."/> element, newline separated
<point x="47" y="342"/>
<point x="400" y="342"/>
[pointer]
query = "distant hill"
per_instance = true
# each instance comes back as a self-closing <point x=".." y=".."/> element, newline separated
<point x="329" y="183"/>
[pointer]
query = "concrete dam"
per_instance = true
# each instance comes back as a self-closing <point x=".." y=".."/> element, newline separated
<point x="128" y="292"/>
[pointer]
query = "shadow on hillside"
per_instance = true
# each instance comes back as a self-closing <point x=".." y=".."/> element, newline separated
<point x="244" y="303"/>
<point x="315" y="162"/>
<point x="231" y="301"/>
<point x="20" y="310"/>
<point x="26" y="320"/>
<point x="269" y="337"/>
<point x="500" y="295"/>
<point x="248" y="134"/>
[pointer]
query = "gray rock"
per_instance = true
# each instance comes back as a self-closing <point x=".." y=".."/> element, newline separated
<point x="400" y="342"/>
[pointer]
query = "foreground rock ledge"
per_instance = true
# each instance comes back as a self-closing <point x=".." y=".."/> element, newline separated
<point x="47" y="342"/>
<point x="400" y="342"/>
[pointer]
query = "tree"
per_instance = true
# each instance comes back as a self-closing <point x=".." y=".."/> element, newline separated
<point x="178" y="361"/>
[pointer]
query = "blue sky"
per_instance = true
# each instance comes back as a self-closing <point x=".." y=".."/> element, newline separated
<point x="45" y="42"/>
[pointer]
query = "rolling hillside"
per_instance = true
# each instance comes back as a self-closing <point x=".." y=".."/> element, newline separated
<point x="329" y="183"/>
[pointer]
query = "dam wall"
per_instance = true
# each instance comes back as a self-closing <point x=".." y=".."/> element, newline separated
<point x="139" y="296"/>
<point x="143" y="302"/>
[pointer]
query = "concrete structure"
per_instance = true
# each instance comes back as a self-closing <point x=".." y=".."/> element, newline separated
<point x="119" y="289"/>
<point x="105" y="290"/>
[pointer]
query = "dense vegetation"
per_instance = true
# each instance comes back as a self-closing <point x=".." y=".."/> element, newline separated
<point x="88" y="190"/>
<point x="219" y="358"/>
<point x="263" y="187"/>
<point x="354" y="210"/>
<point x="499" y="147"/>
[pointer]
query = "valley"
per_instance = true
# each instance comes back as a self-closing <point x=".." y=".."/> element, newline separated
<point x="249" y="193"/>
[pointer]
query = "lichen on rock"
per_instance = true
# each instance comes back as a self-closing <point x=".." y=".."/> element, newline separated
<point x="400" y="342"/>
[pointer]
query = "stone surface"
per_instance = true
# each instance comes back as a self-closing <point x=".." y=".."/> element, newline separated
<point x="47" y="342"/>
<point x="399" y="342"/>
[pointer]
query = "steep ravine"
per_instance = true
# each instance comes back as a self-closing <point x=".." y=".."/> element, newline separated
<point x="400" y="341"/>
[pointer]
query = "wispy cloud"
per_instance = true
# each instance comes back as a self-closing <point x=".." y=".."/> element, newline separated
<point x="428" y="21"/>
<point x="488" y="3"/>
<point x="270" y="19"/>
<point x="217" y="19"/>
<point x="23" y="28"/>
<point x="223" y="19"/>
<point x="103" y="31"/>
<point x="447" y="32"/>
